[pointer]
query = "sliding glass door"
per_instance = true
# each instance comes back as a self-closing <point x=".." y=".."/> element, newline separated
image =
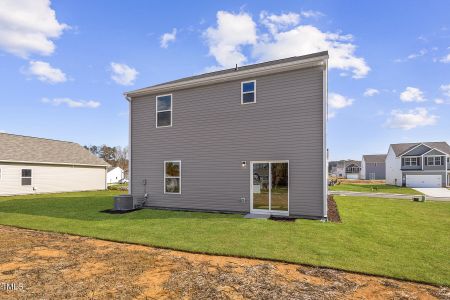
<point x="270" y="187"/>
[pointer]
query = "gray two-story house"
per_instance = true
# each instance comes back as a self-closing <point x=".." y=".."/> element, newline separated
<point x="373" y="167"/>
<point x="424" y="164"/>
<point x="247" y="139"/>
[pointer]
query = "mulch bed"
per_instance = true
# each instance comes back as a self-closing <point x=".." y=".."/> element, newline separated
<point x="333" y="212"/>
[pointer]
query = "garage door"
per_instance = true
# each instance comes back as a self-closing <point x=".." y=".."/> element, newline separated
<point x="424" y="181"/>
<point x="353" y="176"/>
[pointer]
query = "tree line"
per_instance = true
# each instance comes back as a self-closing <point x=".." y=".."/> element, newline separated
<point x="115" y="156"/>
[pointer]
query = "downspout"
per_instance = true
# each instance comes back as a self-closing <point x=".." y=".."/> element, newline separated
<point x="129" y="145"/>
<point x="325" y="150"/>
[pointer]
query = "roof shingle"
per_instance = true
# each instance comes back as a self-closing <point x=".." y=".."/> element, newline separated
<point x="402" y="148"/>
<point x="19" y="148"/>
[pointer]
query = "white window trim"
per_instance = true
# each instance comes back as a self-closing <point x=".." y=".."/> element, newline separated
<point x="434" y="160"/>
<point x="416" y="164"/>
<point x="242" y="91"/>
<point x="157" y="111"/>
<point x="165" y="176"/>
<point x="22" y="177"/>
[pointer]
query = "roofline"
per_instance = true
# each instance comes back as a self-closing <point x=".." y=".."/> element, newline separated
<point x="51" y="163"/>
<point x="310" y="60"/>
<point x="40" y="138"/>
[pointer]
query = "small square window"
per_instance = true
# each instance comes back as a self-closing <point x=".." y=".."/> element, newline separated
<point x="26" y="176"/>
<point x="248" y="92"/>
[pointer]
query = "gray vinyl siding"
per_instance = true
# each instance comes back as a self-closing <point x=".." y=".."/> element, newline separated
<point x="427" y="167"/>
<point x="379" y="169"/>
<point x="417" y="151"/>
<point x="212" y="133"/>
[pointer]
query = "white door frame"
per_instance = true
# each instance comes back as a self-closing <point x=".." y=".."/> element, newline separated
<point x="269" y="211"/>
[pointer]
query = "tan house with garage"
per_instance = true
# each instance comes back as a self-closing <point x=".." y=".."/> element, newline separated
<point x="31" y="165"/>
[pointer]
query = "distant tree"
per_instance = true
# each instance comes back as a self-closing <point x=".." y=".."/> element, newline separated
<point x="93" y="149"/>
<point x="115" y="156"/>
<point x="122" y="158"/>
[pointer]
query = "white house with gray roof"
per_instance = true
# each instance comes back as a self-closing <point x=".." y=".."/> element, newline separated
<point x="422" y="164"/>
<point x="246" y="139"/>
<point x="31" y="165"/>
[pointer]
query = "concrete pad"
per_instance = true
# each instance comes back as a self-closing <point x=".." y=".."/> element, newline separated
<point x="257" y="216"/>
<point x="435" y="192"/>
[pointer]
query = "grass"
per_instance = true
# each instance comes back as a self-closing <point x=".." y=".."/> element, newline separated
<point x="395" y="238"/>
<point x="375" y="188"/>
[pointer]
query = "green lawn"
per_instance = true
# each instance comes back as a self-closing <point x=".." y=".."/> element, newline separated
<point x="376" y="188"/>
<point x="395" y="238"/>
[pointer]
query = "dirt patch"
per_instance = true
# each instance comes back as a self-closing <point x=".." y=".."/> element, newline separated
<point x="362" y="182"/>
<point x="333" y="212"/>
<point x="51" y="265"/>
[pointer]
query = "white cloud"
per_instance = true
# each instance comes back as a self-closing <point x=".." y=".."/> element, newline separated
<point x="371" y="92"/>
<point x="274" y="23"/>
<point x="28" y="26"/>
<point x="445" y="59"/>
<point x="412" y="56"/>
<point x="412" y="94"/>
<point x="311" y="14"/>
<point x="410" y="119"/>
<point x="445" y="88"/>
<point x="45" y="72"/>
<point x="439" y="101"/>
<point x="283" y="38"/>
<point x="306" y="39"/>
<point x="2" y="131"/>
<point x="168" y="37"/>
<point x="226" y="40"/>
<point x="72" y="103"/>
<point x="123" y="74"/>
<point x="338" y="101"/>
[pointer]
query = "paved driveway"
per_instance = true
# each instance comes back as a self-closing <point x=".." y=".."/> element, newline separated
<point x="435" y="192"/>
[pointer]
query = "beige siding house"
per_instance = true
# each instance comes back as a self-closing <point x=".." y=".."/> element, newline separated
<point x="31" y="165"/>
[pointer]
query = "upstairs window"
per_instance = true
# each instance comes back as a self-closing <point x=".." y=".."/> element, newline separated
<point x="26" y="176"/>
<point x="164" y="111"/>
<point x="434" y="161"/>
<point x="248" y="92"/>
<point x="172" y="177"/>
<point x="411" y="161"/>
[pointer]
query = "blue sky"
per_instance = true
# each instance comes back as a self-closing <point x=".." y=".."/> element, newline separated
<point x="64" y="65"/>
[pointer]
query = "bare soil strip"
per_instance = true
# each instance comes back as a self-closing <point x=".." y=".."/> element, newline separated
<point x="57" y="266"/>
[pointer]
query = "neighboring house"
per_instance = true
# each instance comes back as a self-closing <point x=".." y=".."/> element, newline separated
<point x="373" y="167"/>
<point x="418" y="164"/>
<point x="247" y="139"/>
<point x="35" y="165"/>
<point x="114" y="175"/>
<point x="349" y="169"/>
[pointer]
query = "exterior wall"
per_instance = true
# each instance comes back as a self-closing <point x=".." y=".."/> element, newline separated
<point x="434" y="168"/>
<point x="379" y="169"/>
<point x="51" y="179"/>
<point x="363" y="170"/>
<point x="212" y="133"/>
<point x="443" y="175"/>
<point x="115" y="175"/>
<point x="393" y="168"/>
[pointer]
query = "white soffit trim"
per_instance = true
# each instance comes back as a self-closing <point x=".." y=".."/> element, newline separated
<point x="240" y="74"/>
